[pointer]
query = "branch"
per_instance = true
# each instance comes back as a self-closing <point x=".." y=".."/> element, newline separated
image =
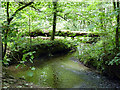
<point x="117" y="3"/>
<point x="114" y="4"/>
<point x="19" y="10"/>
<point x="7" y="11"/>
<point x="65" y="18"/>
<point x="118" y="13"/>
<point x="62" y="17"/>
<point x="31" y="6"/>
<point x="35" y="8"/>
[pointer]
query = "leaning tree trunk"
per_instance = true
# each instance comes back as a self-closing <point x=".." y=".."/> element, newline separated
<point x="9" y="19"/>
<point x="54" y="18"/>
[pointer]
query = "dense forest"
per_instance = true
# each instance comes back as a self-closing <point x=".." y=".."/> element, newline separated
<point x="41" y="41"/>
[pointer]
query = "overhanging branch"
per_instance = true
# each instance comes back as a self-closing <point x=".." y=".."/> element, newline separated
<point x="31" y="6"/>
<point x="19" y="10"/>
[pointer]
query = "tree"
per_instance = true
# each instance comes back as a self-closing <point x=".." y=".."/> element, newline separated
<point x="117" y="28"/>
<point x="54" y="18"/>
<point x="9" y="19"/>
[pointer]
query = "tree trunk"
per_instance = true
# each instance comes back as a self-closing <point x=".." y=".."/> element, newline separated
<point x="4" y="52"/>
<point x="30" y="31"/>
<point x="9" y="19"/>
<point x="54" y="19"/>
<point x="117" y="28"/>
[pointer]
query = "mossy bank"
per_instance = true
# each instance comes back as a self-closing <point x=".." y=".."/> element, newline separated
<point x="46" y="48"/>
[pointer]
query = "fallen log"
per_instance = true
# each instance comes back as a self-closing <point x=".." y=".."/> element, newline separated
<point x="64" y="33"/>
<point x="81" y="39"/>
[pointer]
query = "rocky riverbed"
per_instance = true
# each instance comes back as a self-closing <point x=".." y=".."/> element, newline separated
<point x="9" y="81"/>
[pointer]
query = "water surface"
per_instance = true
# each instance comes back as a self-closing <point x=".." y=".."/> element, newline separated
<point x="61" y="72"/>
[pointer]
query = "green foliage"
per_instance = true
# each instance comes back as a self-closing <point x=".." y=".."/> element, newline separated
<point x="116" y="60"/>
<point x="24" y="52"/>
<point x="6" y="61"/>
<point x="33" y="68"/>
<point x="95" y="54"/>
<point x="31" y="57"/>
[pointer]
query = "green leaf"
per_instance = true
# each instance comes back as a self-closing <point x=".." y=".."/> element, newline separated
<point x="33" y="68"/>
<point x="7" y="59"/>
<point x="32" y="57"/>
<point x="17" y="65"/>
<point x="34" y="51"/>
<point x="31" y="61"/>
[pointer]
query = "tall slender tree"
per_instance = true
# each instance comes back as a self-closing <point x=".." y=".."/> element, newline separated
<point x="116" y="8"/>
<point x="54" y="18"/>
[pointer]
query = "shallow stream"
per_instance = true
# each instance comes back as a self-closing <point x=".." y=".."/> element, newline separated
<point x="63" y="71"/>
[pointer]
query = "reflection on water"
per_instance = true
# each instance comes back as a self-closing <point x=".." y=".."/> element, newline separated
<point x="61" y="72"/>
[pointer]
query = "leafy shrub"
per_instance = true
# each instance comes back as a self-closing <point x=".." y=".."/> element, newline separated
<point x="24" y="51"/>
<point x="116" y="60"/>
<point x="100" y="54"/>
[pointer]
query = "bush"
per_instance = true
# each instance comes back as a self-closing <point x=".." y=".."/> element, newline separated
<point x="99" y="54"/>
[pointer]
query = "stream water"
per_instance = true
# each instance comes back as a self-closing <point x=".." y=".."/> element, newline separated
<point x="63" y="71"/>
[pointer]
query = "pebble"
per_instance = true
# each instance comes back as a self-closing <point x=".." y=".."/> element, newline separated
<point x="98" y="77"/>
<point x="5" y="87"/>
<point x="11" y="77"/>
<point x="5" y="83"/>
<point x="22" y="78"/>
<point x="26" y="84"/>
<point x="31" y="86"/>
<point x="19" y="86"/>
<point x="11" y="82"/>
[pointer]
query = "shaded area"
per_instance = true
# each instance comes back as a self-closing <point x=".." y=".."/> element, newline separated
<point x="41" y="49"/>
